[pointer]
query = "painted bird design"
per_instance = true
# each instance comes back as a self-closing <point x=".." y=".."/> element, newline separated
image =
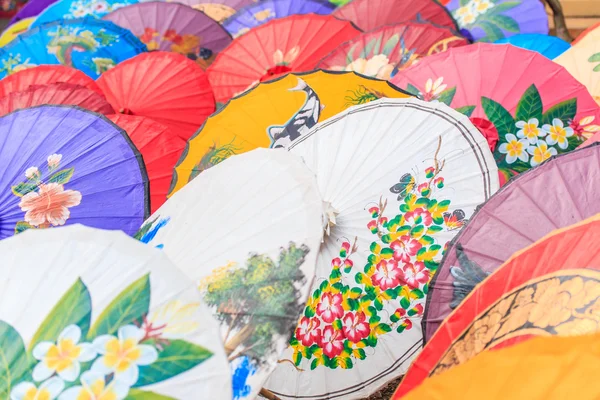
<point x="301" y="122"/>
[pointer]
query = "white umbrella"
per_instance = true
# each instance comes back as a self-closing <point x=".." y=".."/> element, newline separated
<point x="93" y="314"/>
<point x="401" y="177"/>
<point x="248" y="230"/>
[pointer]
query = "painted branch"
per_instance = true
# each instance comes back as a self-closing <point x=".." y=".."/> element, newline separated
<point x="267" y="394"/>
<point x="560" y="24"/>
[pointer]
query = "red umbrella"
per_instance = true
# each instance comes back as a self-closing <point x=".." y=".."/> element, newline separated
<point x="43" y="75"/>
<point x="372" y="14"/>
<point x="292" y="44"/>
<point x="55" y="94"/>
<point x="160" y="147"/>
<point x="167" y="87"/>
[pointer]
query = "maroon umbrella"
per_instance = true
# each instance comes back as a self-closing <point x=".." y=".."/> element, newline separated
<point x="560" y="192"/>
<point x="173" y="27"/>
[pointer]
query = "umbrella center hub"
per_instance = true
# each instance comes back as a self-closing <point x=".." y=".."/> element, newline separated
<point x="275" y="72"/>
<point x="330" y="216"/>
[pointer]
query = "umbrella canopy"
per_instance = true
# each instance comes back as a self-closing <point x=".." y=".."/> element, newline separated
<point x="160" y="147"/>
<point x="219" y="10"/>
<point x="56" y="94"/>
<point x="90" y="45"/>
<point x="64" y="165"/>
<point x="373" y="14"/>
<point x="491" y="20"/>
<point x="259" y="13"/>
<point x="548" y="46"/>
<point x="9" y="8"/>
<point x="252" y="247"/>
<point x="274" y="114"/>
<point x="45" y="75"/>
<point x="14" y="30"/>
<point x="543" y="368"/>
<point x="583" y="62"/>
<point x="386" y="50"/>
<point x="399" y="177"/>
<point x="167" y="87"/>
<point x="31" y="9"/>
<point x="278" y="47"/>
<point x="549" y="288"/>
<point x="496" y="231"/>
<point x="591" y="34"/>
<point x="174" y="27"/>
<point x="526" y="116"/>
<point x="124" y="321"/>
<point x="70" y="9"/>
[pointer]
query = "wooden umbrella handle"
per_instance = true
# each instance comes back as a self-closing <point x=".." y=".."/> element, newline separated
<point x="267" y="394"/>
<point x="559" y="20"/>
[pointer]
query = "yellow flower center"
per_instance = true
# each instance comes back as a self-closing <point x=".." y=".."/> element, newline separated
<point x="483" y="6"/>
<point x="541" y="154"/>
<point x="467" y="19"/>
<point x="121" y="354"/>
<point x="514" y="148"/>
<point x="34" y="394"/>
<point x="530" y="131"/>
<point x="96" y="392"/>
<point x="62" y="355"/>
<point x="558" y="133"/>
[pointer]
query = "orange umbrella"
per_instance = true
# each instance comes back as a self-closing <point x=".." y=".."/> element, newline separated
<point x="544" y="368"/>
<point x="45" y="74"/>
<point x="535" y="293"/>
<point x="55" y="94"/>
<point x="167" y="87"/>
<point x="160" y="148"/>
<point x="292" y="44"/>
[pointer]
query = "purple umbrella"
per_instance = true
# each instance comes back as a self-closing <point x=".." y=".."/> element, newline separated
<point x="65" y="165"/>
<point x="32" y="9"/>
<point x="219" y="10"/>
<point x="173" y="27"/>
<point x="259" y="13"/>
<point x="491" y="20"/>
<point x="558" y="193"/>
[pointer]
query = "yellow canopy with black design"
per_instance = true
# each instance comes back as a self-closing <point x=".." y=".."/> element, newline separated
<point x="273" y="114"/>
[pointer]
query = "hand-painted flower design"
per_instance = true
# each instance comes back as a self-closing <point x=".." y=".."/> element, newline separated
<point x="308" y="331"/>
<point x="558" y="134"/>
<point x="420" y="215"/>
<point x="330" y="307"/>
<point x="264" y="15"/>
<point x="405" y="248"/>
<point x="529" y="130"/>
<point x="387" y="274"/>
<point x="584" y="127"/>
<point x="49" y="205"/>
<point x="540" y="153"/>
<point x="94" y="387"/>
<point x="280" y="59"/>
<point x="332" y="341"/>
<point x="63" y="357"/>
<point x="54" y="161"/>
<point x="355" y="326"/>
<point x="123" y="355"/>
<point x="433" y="89"/>
<point x="48" y="390"/>
<point x="174" y="320"/>
<point x="32" y="173"/>
<point x="415" y="274"/>
<point x="378" y="66"/>
<point x="515" y="149"/>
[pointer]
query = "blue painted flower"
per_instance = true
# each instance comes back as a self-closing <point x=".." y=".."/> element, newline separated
<point x="243" y="369"/>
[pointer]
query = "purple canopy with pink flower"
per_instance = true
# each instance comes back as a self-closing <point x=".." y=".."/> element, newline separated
<point x="65" y="165"/>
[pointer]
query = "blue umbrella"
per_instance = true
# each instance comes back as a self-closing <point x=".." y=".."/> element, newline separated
<point x="71" y="9"/>
<point x="259" y="13"/>
<point x="548" y="46"/>
<point x="88" y="44"/>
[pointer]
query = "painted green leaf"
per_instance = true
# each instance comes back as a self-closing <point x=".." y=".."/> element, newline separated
<point x="412" y="89"/>
<point x="175" y="358"/>
<point x="564" y="111"/>
<point x="367" y="49"/>
<point x="595" y="58"/>
<point x="73" y="308"/>
<point x="137" y="394"/>
<point x="62" y="177"/>
<point x="466" y="110"/>
<point x="498" y="8"/>
<point x="350" y="55"/>
<point x="130" y="305"/>
<point x="499" y="116"/>
<point x="390" y="44"/>
<point x="14" y="362"/>
<point x="447" y="96"/>
<point x="377" y="47"/>
<point x="145" y="229"/>
<point x="504" y="22"/>
<point x="22" y="188"/>
<point x="22" y="226"/>
<point x="464" y="2"/>
<point x="530" y="105"/>
<point x="492" y="32"/>
<point x="597" y="68"/>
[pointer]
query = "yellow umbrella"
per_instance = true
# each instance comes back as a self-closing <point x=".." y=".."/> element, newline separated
<point x="543" y="368"/>
<point x="583" y="62"/>
<point x="14" y="30"/>
<point x="273" y="114"/>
